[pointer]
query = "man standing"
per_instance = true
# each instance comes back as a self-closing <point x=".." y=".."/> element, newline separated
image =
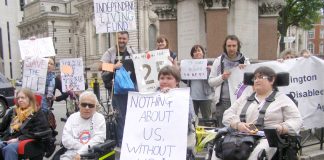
<point x="84" y="128"/>
<point x="220" y="72"/>
<point x="119" y="101"/>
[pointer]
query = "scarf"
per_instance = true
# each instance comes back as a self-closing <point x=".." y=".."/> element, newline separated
<point x="21" y="116"/>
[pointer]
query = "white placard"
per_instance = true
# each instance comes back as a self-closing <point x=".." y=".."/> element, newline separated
<point x="72" y="74"/>
<point x="41" y="47"/>
<point x="114" y="15"/>
<point x="193" y="69"/>
<point x="306" y="85"/>
<point x="156" y="125"/>
<point x="34" y="74"/>
<point x="147" y="66"/>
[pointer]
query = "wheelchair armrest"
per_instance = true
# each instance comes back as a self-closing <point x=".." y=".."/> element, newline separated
<point x="104" y="146"/>
<point x="43" y="133"/>
<point x="274" y="139"/>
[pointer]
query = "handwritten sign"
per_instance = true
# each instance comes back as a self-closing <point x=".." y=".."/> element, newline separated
<point x="42" y="47"/>
<point x="306" y="80"/>
<point x="156" y="125"/>
<point x="34" y="74"/>
<point x="147" y="66"/>
<point x="72" y="74"/>
<point x="114" y="15"/>
<point x="108" y="67"/>
<point x="193" y="69"/>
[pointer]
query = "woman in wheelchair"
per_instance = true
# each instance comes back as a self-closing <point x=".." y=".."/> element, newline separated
<point x="266" y="107"/>
<point x="20" y="123"/>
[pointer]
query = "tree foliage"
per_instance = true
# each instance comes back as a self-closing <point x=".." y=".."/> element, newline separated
<point x="299" y="13"/>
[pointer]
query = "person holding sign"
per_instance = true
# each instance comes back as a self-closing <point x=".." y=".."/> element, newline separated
<point x="163" y="43"/>
<point x="123" y="58"/>
<point x="220" y="72"/>
<point x="200" y="91"/>
<point x="169" y="78"/>
<point x="47" y="98"/>
<point x="84" y="128"/>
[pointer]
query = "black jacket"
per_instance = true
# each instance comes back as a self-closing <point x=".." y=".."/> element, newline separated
<point x="37" y="123"/>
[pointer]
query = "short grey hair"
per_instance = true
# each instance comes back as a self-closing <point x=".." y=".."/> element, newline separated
<point x="90" y="94"/>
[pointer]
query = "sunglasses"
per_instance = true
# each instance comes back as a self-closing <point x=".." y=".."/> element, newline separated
<point x="84" y="105"/>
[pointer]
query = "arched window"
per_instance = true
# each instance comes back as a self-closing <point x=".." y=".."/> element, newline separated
<point x="152" y="37"/>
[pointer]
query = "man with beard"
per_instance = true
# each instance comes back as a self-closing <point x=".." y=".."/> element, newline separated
<point x="119" y="101"/>
<point x="220" y="72"/>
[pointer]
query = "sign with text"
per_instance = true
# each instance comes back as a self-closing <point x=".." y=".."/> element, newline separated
<point x="42" y="47"/>
<point x="114" y="15"/>
<point x="193" y="69"/>
<point x="72" y="74"/>
<point x="306" y="80"/>
<point x="156" y="125"/>
<point x="34" y="74"/>
<point x="147" y="66"/>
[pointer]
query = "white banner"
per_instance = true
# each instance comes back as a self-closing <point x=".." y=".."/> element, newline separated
<point x="306" y="86"/>
<point x="72" y="74"/>
<point x="114" y="15"/>
<point x="156" y="125"/>
<point x="147" y="66"/>
<point x="42" y="47"/>
<point x="34" y="74"/>
<point x="193" y="69"/>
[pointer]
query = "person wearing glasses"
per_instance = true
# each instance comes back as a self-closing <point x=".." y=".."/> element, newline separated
<point x="281" y="114"/>
<point x="84" y="128"/>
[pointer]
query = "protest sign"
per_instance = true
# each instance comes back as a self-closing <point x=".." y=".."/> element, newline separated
<point x="108" y="67"/>
<point x="72" y="74"/>
<point x="193" y="69"/>
<point x="306" y="86"/>
<point x="41" y="47"/>
<point x="114" y="15"/>
<point x="34" y="74"/>
<point x="147" y="66"/>
<point x="156" y="125"/>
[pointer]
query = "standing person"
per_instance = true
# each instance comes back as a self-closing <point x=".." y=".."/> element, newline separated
<point x="119" y="101"/>
<point x="200" y="91"/>
<point x="163" y="43"/>
<point x="49" y="86"/>
<point x="220" y="72"/>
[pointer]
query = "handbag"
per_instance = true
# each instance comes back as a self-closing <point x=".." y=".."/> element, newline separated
<point x="123" y="83"/>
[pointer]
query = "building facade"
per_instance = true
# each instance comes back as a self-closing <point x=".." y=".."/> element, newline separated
<point x="10" y="15"/>
<point x="315" y="38"/>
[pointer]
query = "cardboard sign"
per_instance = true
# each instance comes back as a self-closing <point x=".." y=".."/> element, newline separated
<point x="34" y="74"/>
<point x="42" y="47"/>
<point x="108" y="67"/>
<point x="147" y="66"/>
<point x="193" y="69"/>
<point x="156" y="125"/>
<point x="114" y="15"/>
<point x="72" y="74"/>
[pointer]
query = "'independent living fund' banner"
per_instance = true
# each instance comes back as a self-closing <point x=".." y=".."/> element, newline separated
<point x="156" y="125"/>
<point x="114" y="15"/>
<point x="306" y="80"/>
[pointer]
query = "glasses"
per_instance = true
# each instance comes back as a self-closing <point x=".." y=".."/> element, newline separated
<point x="259" y="77"/>
<point x="84" y="105"/>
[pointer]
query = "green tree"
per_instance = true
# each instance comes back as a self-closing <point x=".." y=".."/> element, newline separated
<point x="299" y="13"/>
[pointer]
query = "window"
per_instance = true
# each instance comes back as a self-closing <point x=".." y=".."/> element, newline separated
<point x="310" y="47"/>
<point x="10" y="70"/>
<point x="69" y="39"/>
<point x="70" y="50"/>
<point x="55" y="8"/>
<point x="55" y="39"/>
<point x="55" y="51"/>
<point x="152" y="37"/>
<point x="322" y="33"/>
<point x="6" y="3"/>
<point x="22" y="4"/>
<point x="321" y="49"/>
<point x="69" y="30"/>
<point x="311" y="34"/>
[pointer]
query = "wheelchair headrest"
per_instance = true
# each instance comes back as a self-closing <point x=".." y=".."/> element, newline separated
<point x="281" y="80"/>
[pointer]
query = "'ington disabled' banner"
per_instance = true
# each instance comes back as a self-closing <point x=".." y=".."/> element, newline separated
<point x="156" y="125"/>
<point x="306" y="80"/>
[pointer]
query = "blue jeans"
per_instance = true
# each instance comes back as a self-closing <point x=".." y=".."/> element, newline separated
<point x="9" y="151"/>
<point x="120" y="102"/>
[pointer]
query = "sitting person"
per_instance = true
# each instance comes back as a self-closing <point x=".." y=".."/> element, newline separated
<point x="282" y="113"/>
<point x="20" y="123"/>
<point x="169" y="78"/>
<point x="84" y="128"/>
